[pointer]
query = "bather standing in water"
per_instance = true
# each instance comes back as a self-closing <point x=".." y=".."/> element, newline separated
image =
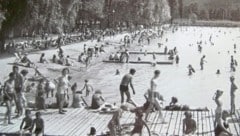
<point x="202" y="61"/>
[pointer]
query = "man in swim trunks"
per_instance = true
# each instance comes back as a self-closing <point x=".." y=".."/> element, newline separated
<point x="126" y="80"/>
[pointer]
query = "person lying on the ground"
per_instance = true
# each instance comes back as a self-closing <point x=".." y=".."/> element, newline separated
<point x="189" y="124"/>
<point x="173" y="104"/>
<point x="27" y="122"/>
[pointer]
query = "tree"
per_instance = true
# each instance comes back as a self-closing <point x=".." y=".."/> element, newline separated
<point x="15" y="10"/>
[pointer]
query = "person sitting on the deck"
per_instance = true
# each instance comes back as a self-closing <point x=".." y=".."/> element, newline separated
<point x="97" y="100"/>
<point x="88" y="87"/>
<point x="114" y="123"/>
<point x="8" y="97"/>
<point x="111" y="56"/>
<point x="68" y="62"/>
<point x="76" y="96"/>
<point x="26" y="60"/>
<point x="92" y="131"/>
<point x="49" y="87"/>
<point x="102" y="49"/>
<point x="189" y="124"/>
<point x="42" y="58"/>
<point x="80" y="57"/>
<point x="173" y="105"/>
<point x="218" y="111"/>
<point x="61" y="60"/>
<point x="27" y="121"/>
<point x="139" y="123"/>
<point x="54" y="58"/>
<point x="117" y="56"/>
<point x="222" y="125"/>
<point x="39" y="125"/>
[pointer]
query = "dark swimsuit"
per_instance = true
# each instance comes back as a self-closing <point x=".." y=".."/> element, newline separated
<point x="218" y="130"/>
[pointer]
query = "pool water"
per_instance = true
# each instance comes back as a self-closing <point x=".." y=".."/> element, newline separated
<point x="196" y="90"/>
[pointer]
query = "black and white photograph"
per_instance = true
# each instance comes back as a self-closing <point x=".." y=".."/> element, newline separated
<point x="119" y="68"/>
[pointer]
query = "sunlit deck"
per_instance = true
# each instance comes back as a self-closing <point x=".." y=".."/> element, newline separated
<point x="77" y="122"/>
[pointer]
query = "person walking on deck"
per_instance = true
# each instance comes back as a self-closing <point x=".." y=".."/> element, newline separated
<point x="126" y="80"/>
<point x="152" y="97"/>
<point x="232" y="94"/>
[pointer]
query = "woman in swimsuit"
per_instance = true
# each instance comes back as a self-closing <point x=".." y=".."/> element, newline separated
<point x="151" y="97"/>
<point x="218" y="111"/>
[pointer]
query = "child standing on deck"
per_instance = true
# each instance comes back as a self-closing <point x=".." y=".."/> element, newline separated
<point x="88" y="87"/>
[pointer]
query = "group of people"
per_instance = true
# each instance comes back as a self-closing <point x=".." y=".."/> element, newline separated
<point x="15" y="87"/>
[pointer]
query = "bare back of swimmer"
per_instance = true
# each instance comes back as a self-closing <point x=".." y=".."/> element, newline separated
<point x="126" y="80"/>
